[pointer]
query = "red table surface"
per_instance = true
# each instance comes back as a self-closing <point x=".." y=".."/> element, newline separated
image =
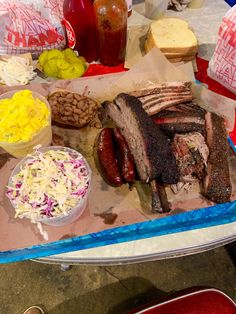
<point x="191" y="301"/>
<point x="201" y="75"/>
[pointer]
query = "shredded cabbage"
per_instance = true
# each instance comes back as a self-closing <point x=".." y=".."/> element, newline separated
<point x="16" y="71"/>
<point x="49" y="184"/>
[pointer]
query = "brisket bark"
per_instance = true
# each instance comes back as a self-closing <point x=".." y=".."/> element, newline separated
<point x="172" y="126"/>
<point x="181" y="128"/>
<point x="217" y="186"/>
<point x="189" y="109"/>
<point x="150" y="148"/>
<point x="181" y="119"/>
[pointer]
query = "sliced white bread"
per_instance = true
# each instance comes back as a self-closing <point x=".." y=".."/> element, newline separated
<point x="172" y="36"/>
<point x="182" y="59"/>
<point x="179" y="55"/>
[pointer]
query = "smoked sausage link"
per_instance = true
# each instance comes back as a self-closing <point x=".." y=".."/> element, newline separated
<point x="107" y="159"/>
<point x="127" y="160"/>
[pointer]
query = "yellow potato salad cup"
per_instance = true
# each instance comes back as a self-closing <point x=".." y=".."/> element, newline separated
<point x="25" y="122"/>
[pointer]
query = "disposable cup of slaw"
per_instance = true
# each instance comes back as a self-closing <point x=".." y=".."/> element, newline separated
<point x="75" y="212"/>
<point x="43" y="137"/>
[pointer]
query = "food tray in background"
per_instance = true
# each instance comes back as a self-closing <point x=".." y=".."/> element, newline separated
<point x="113" y="215"/>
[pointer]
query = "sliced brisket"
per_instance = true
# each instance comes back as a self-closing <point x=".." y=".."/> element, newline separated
<point x="150" y="148"/>
<point x="181" y="125"/>
<point x="217" y="186"/>
<point x="181" y="128"/>
<point x="181" y="119"/>
<point x="189" y="109"/>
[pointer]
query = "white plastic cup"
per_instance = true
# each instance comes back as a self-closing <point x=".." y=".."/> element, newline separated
<point x="74" y="212"/>
<point x="154" y="9"/>
<point x="43" y="137"/>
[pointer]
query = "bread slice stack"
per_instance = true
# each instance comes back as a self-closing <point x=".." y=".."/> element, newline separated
<point x="174" y="38"/>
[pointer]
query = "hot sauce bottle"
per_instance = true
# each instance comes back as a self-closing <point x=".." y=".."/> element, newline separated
<point x="111" y="30"/>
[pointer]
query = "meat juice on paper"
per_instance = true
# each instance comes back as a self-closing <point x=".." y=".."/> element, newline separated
<point x="130" y="206"/>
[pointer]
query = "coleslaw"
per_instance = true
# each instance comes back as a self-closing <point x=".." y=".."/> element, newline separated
<point x="49" y="184"/>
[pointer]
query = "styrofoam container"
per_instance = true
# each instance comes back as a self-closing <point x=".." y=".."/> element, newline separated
<point x="196" y="4"/>
<point x="154" y="9"/>
<point x="43" y="137"/>
<point x="76" y="211"/>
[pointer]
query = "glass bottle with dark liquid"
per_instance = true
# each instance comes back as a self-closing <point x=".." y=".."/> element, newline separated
<point x="111" y="30"/>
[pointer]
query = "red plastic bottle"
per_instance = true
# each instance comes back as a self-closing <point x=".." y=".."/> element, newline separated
<point x="111" y="30"/>
<point x="80" y="28"/>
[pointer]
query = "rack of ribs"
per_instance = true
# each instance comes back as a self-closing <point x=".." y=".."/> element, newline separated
<point x="163" y="95"/>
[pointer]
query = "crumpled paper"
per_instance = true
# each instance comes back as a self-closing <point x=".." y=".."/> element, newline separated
<point x="179" y="5"/>
<point x="126" y="206"/>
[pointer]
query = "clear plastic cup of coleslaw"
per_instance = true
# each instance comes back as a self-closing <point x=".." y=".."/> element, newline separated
<point x="73" y="213"/>
<point x="43" y="137"/>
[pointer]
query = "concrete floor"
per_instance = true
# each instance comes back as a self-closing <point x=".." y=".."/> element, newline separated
<point x="113" y="289"/>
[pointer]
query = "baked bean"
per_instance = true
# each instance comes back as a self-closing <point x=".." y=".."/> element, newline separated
<point x="67" y="102"/>
<point x="71" y="119"/>
<point x="76" y="110"/>
<point x="68" y="107"/>
<point x="69" y="96"/>
<point x="68" y="113"/>
<point x="53" y="102"/>
<point x="72" y="109"/>
<point x="77" y="96"/>
<point x="64" y="118"/>
<point x="76" y="117"/>
<point x="79" y="106"/>
<point x="98" y="125"/>
<point x="60" y="99"/>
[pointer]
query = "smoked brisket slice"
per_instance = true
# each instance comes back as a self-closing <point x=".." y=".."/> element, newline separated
<point x="170" y="129"/>
<point x="189" y="109"/>
<point x="150" y="148"/>
<point x="181" y="119"/>
<point x="217" y="186"/>
<point x="181" y="125"/>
